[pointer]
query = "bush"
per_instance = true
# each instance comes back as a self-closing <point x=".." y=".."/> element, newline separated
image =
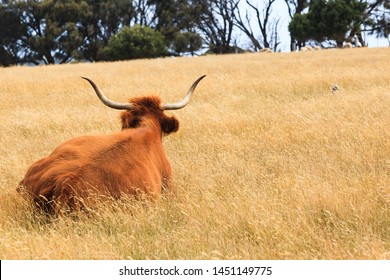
<point x="135" y="42"/>
<point x="187" y="42"/>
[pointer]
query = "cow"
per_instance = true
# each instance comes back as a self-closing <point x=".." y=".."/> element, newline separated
<point x="131" y="162"/>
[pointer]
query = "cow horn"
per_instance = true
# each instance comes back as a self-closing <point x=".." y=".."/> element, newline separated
<point x="184" y="102"/>
<point x="108" y="102"/>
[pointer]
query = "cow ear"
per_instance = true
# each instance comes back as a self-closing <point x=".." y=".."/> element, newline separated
<point x="169" y="125"/>
<point x="129" y="120"/>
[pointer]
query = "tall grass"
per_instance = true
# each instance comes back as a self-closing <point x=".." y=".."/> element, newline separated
<point x="268" y="163"/>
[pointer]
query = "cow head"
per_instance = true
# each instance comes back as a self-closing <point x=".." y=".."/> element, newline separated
<point x="145" y="109"/>
<point x="140" y="110"/>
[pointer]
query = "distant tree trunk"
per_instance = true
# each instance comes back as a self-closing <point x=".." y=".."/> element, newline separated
<point x="268" y="37"/>
<point x="216" y="22"/>
<point x="145" y="14"/>
<point x="296" y="7"/>
<point x="244" y="24"/>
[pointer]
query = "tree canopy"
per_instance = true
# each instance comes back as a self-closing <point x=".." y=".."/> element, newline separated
<point x="60" y="31"/>
<point x="135" y="42"/>
<point x="328" y="20"/>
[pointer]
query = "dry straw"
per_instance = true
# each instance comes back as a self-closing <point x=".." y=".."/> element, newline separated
<point x="268" y="163"/>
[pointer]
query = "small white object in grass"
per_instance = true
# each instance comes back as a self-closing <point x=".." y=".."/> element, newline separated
<point x="335" y="88"/>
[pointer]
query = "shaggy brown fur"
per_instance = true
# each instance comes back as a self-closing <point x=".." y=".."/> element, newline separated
<point x="87" y="168"/>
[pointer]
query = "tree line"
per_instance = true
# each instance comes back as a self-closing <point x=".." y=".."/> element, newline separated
<point x="54" y="31"/>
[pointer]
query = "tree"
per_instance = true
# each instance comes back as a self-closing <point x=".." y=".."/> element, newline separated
<point x="328" y="20"/>
<point x="135" y="42"/>
<point x="215" y="19"/>
<point x="57" y="31"/>
<point x="102" y="19"/>
<point x="144" y="13"/>
<point x="50" y="33"/>
<point x="187" y="42"/>
<point x="267" y="25"/>
<point x="378" y="18"/>
<point x="11" y="31"/>
<point x="296" y="7"/>
<point x="175" y="20"/>
<point x="300" y="28"/>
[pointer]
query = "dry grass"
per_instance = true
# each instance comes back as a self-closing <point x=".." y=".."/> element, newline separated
<point x="268" y="163"/>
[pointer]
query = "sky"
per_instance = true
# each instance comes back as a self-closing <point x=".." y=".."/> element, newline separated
<point x="279" y="9"/>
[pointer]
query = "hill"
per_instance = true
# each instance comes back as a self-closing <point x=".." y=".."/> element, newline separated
<point x="268" y="163"/>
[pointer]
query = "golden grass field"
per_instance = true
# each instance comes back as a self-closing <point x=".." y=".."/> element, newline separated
<point x="267" y="163"/>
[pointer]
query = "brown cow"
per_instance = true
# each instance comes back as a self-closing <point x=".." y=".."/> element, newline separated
<point x="130" y="162"/>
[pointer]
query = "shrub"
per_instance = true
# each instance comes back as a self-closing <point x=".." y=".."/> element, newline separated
<point x="135" y="42"/>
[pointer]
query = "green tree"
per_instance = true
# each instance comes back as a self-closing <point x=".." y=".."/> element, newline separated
<point x="328" y="20"/>
<point x="135" y="42"/>
<point x="11" y="30"/>
<point x="187" y="42"/>
<point x="57" y="31"/>
<point x="176" y="22"/>
<point x="50" y="30"/>
<point x="102" y="19"/>
<point x="296" y="7"/>
<point x="300" y="28"/>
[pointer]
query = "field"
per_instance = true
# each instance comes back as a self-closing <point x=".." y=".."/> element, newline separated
<point x="268" y="163"/>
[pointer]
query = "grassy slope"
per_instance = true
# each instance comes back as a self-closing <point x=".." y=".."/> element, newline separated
<point x="268" y="163"/>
